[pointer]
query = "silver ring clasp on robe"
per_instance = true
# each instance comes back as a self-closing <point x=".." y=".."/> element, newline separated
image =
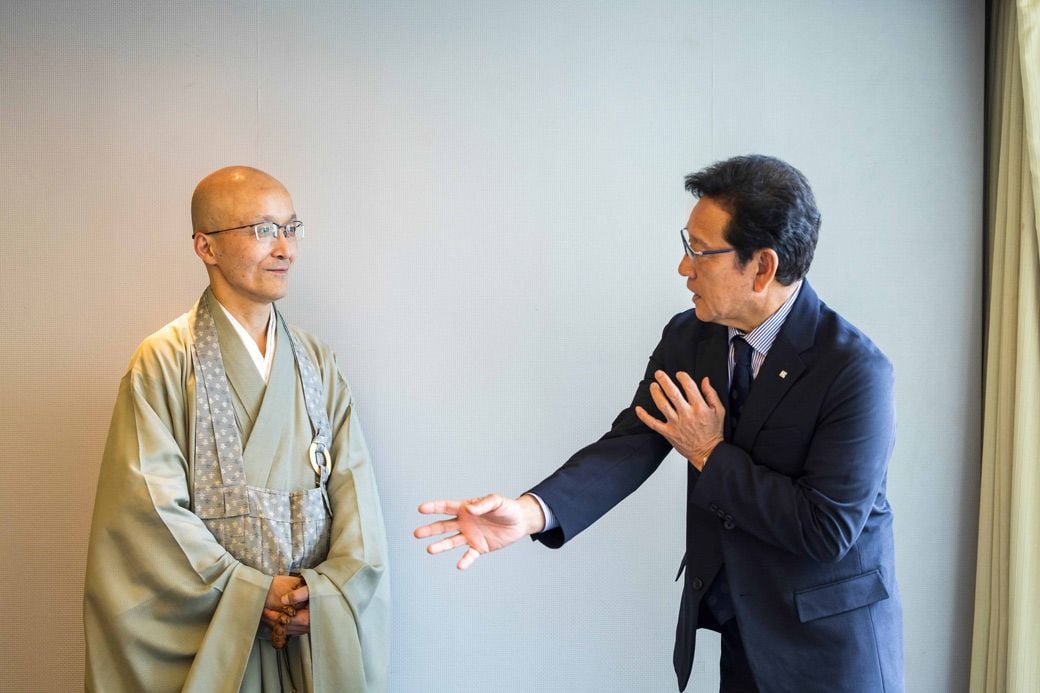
<point x="324" y="466"/>
<point x="321" y="462"/>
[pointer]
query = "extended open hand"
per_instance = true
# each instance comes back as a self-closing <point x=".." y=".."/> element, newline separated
<point x="483" y="524"/>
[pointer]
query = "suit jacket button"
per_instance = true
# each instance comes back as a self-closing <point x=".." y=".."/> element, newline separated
<point x="696" y="583"/>
<point x="714" y="508"/>
<point x="721" y="514"/>
<point x="728" y="524"/>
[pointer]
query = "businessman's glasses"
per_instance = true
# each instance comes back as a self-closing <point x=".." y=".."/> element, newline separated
<point x="694" y="254"/>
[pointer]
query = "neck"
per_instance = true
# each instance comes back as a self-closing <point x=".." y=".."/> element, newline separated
<point x="775" y="296"/>
<point x="251" y="315"/>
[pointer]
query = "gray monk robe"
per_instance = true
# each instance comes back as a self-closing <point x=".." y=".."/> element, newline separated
<point x="166" y="606"/>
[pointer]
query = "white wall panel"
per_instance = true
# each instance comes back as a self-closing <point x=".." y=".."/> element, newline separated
<point x="492" y="192"/>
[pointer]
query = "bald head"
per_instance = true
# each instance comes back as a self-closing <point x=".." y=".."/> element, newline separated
<point x="228" y="197"/>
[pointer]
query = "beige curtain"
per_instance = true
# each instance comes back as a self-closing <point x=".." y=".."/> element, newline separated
<point x="1006" y="638"/>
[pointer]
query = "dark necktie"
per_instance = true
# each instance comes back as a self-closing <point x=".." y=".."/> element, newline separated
<point x="740" y="383"/>
<point x="717" y="598"/>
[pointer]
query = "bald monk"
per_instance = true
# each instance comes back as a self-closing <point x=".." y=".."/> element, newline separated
<point x="236" y="498"/>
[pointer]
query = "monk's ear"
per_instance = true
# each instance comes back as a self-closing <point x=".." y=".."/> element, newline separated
<point x="204" y="248"/>
<point x="766" y="263"/>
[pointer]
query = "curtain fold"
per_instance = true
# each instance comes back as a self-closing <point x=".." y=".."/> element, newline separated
<point x="1006" y="636"/>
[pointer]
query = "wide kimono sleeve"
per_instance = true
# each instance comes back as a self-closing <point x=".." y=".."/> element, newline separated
<point x="349" y="591"/>
<point x="166" y="608"/>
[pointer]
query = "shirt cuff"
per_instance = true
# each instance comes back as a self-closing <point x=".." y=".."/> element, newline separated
<point x="550" y="519"/>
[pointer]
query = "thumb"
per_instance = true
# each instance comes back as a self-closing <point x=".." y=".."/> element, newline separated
<point x="297" y="596"/>
<point x="479" y="506"/>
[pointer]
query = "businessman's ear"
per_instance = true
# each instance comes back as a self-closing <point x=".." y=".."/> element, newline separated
<point x="766" y="263"/>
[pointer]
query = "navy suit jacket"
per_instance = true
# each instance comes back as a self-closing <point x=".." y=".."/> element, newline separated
<point x="794" y="505"/>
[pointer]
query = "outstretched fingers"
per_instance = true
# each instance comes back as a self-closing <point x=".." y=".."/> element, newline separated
<point x="446" y="544"/>
<point x="468" y="558"/>
<point x="442" y="527"/>
<point x="440" y="507"/>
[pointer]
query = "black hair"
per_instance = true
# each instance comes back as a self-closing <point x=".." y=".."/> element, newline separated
<point x="771" y="205"/>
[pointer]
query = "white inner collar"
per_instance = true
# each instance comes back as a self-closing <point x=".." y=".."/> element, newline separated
<point x="264" y="361"/>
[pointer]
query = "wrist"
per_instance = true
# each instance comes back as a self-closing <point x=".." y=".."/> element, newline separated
<point x="534" y="518"/>
<point x="701" y="457"/>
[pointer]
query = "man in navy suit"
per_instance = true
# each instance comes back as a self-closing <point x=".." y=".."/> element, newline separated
<point x="785" y="413"/>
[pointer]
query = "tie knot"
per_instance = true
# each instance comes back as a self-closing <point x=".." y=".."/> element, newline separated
<point x="741" y="352"/>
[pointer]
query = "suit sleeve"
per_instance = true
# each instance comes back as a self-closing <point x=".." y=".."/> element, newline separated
<point x="820" y="512"/>
<point x="601" y="475"/>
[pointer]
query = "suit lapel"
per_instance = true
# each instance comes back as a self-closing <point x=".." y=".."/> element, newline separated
<point x="778" y="373"/>
<point x="782" y="367"/>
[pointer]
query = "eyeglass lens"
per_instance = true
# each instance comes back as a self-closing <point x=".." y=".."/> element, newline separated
<point x="685" y="235"/>
<point x="293" y="229"/>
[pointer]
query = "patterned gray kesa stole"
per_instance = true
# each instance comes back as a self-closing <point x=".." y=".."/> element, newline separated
<point x="277" y="532"/>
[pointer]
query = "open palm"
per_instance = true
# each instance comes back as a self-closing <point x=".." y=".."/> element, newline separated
<point x="483" y="524"/>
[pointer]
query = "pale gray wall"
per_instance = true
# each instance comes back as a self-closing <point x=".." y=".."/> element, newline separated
<point x="492" y="192"/>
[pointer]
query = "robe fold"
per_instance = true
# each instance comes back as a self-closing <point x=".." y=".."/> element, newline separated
<point x="166" y="607"/>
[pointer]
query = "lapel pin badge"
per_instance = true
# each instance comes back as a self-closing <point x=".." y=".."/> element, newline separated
<point x="783" y="374"/>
